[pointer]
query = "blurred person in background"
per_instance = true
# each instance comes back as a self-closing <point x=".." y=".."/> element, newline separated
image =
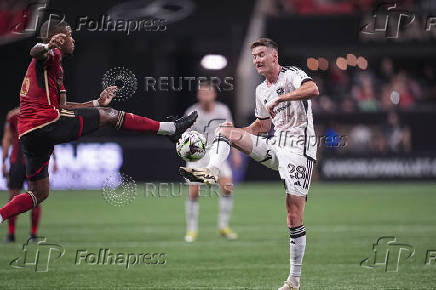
<point x="398" y="137"/>
<point x="360" y="138"/>
<point x="211" y="114"/>
<point x="364" y="92"/>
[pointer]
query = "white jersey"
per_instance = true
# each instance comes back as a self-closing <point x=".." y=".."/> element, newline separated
<point x="208" y="122"/>
<point x="293" y="122"/>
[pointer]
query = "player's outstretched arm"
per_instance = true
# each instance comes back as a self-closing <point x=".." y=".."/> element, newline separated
<point x="40" y="50"/>
<point x="307" y="90"/>
<point x="104" y="99"/>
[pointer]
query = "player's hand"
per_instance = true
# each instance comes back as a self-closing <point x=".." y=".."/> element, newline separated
<point x="107" y="95"/>
<point x="270" y="107"/>
<point x="57" y="41"/>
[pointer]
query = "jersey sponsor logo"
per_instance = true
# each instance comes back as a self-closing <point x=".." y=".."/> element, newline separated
<point x="25" y="87"/>
<point x="278" y="110"/>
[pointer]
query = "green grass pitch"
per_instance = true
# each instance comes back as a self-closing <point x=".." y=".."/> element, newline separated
<point x="343" y="222"/>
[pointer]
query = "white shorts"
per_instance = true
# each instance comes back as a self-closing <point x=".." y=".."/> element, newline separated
<point x="294" y="169"/>
<point x="225" y="170"/>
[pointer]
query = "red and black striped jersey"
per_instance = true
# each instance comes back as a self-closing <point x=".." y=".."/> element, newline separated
<point x="39" y="94"/>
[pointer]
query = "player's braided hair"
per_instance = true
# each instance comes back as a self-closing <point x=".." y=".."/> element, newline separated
<point x="52" y="27"/>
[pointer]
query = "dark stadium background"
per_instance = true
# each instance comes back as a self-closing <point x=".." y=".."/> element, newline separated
<point x="353" y="103"/>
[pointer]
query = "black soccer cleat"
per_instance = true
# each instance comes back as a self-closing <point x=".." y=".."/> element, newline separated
<point x="182" y="124"/>
<point x="33" y="238"/>
<point x="10" y="238"/>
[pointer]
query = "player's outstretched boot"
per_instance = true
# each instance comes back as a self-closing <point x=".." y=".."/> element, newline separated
<point x="182" y="124"/>
<point x="10" y="239"/>
<point x="204" y="175"/>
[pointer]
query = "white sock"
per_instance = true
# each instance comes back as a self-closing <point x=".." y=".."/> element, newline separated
<point x="297" y="245"/>
<point x="1" y="219"/>
<point x="166" y="128"/>
<point x="192" y="207"/>
<point x="226" y="204"/>
<point x="219" y="152"/>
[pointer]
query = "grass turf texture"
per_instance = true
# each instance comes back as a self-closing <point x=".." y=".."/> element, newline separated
<point x="342" y="220"/>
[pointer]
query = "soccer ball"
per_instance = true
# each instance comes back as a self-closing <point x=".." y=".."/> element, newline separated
<point x="191" y="146"/>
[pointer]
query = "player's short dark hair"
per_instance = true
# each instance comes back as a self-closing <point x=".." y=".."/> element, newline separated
<point x="268" y="42"/>
<point x="52" y="27"/>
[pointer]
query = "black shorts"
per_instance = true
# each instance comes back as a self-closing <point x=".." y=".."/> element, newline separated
<point x="38" y="144"/>
<point x="17" y="175"/>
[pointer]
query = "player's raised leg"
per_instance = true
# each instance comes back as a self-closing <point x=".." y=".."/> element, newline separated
<point x="131" y="122"/>
<point x="192" y="210"/>
<point x="227" y="136"/>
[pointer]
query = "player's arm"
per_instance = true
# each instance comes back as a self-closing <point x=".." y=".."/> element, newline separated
<point x="259" y="126"/>
<point x="6" y="143"/>
<point x="104" y="99"/>
<point x="40" y="50"/>
<point x="306" y="91"/>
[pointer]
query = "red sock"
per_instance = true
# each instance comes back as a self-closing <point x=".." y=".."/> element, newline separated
<point x="36" y="213"/>
<point x="11" y="222"/>
<point x="19" y="204"/>
<point x="137" y="123"/>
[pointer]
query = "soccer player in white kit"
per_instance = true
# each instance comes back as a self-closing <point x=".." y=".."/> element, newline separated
<point x="282" y="99"/>
<point x="210" y="115"/>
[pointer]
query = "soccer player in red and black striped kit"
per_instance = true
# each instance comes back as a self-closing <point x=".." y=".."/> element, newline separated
<point x="46" y="118"/>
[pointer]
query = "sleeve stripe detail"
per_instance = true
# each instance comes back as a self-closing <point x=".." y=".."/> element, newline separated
<point x="291" y="68"/>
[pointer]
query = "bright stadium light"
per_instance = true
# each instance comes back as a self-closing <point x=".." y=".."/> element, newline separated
<point x="214" y="61"/>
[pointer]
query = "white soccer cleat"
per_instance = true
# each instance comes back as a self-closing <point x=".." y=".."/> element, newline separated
<point x="203" y="175"/>
<point x="228" y="234"/>
<point x="190" y="237"/>
<point x="288" y="286"/>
